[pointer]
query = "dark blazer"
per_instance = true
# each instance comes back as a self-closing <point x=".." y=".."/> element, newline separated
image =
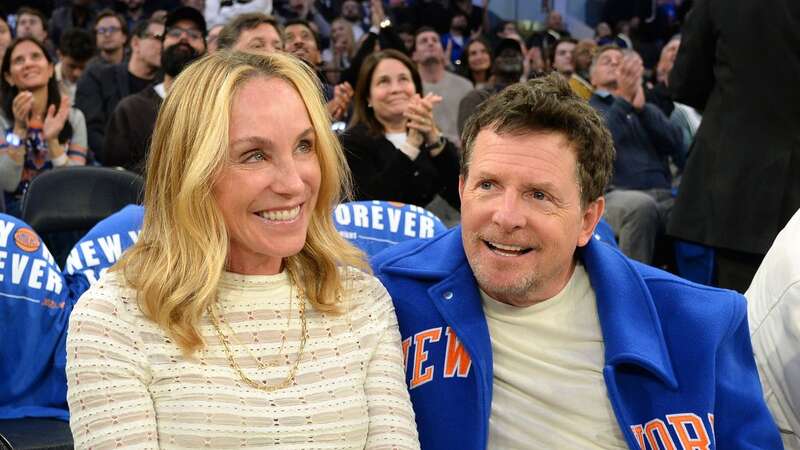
<point x="130" y="130"/>
<point x="382" y="172"/>
<point x="739" y="61"/>
<point x="99" y="90"/>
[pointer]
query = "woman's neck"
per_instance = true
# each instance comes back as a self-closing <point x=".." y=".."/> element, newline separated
<point x="394" y="126"/>
<point x="481" y="76"/>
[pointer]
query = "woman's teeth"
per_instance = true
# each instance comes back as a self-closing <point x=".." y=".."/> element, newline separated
<point x="281" y="215"/>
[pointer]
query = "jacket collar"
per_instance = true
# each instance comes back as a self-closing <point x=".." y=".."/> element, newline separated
<point x="631" y="326"/>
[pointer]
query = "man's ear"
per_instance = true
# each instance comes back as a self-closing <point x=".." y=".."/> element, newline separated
<point x="461" y="183"/>
<point x="591" y="215"/>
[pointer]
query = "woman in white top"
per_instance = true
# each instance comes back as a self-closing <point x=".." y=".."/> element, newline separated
<point x="240" y="318"/>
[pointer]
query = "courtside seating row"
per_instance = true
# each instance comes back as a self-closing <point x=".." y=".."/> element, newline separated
<point x="37" y="296"/>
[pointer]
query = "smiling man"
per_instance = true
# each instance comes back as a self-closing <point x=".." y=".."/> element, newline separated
<point x="521" y="331"/>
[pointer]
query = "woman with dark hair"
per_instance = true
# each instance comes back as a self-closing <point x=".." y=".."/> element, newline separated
<point x="39" y="129"/>
<point x="5" y="36"/>
<point x="393" y="146"/>
<point x="477" y="65"/>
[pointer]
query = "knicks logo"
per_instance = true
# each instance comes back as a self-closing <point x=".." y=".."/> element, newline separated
<point x="455" y="363"/>
<point x="687" y="427"/>
<point x="27" y="240"/>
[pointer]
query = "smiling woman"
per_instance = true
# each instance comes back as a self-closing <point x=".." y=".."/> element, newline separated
<point x="393" y="145"/>
<point x="39" y="129"/>
<point x="240" y="318"/>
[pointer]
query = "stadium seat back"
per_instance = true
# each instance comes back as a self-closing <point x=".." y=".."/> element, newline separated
<point x="62" y="205"/>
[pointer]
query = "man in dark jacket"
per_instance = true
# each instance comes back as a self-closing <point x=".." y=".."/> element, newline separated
<point x="102" y="86"/>
<point x="639" y="200"/>
<point x="131" y="126"/>
<point x="742" y="180"/>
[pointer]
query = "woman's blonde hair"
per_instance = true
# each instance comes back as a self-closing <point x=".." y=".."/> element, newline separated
<point x="180" y="255"/>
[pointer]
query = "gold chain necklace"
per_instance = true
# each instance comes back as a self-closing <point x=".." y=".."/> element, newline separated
<point x="262" y="385"/>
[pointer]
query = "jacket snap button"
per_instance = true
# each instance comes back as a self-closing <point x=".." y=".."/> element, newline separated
<point x="448" y="295"/>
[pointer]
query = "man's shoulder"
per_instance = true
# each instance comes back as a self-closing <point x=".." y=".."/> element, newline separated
<point x="612" y="272"/>
<point x="457" y="81"/>
<point x="102" y="76"/>
<point x="425" y="258"/>
<point x="479" y="94"/>
<point x="706" y="309"/>
<point x="145" y="100"/>
<point x="104" y="70"/>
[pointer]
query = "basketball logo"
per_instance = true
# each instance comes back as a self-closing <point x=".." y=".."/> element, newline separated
<point x="27" y="240"/>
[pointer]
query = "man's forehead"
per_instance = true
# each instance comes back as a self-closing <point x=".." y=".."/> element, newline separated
<point x="186" y="23"/>
<point x="109" y="18"/>
<point x="611" y="53"/>
<point x="489" y="142"/>
<point x="428" y="35"/>
<point x="264" y="26"/>
<point x="299" y="29"/>
<point x="29" y="16"/>
<point x="566" y="46"/>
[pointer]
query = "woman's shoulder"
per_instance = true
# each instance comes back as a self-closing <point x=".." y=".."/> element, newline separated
<point x="110" y="296"/>
<point x="363" y="291"/>
<point x="361" y="132"/>
<point x="76" y="117"/>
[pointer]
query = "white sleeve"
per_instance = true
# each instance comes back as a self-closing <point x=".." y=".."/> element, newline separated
<point x="391" y="417"/>
<point x="10" y="172"/>
<point x="107" y="376"/>
<point x="773" y="303"/>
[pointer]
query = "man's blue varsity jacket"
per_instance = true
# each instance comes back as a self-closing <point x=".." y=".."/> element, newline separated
<point x="678" y="361"/>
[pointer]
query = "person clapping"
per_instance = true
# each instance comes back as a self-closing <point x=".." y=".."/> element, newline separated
<point x="39" y="129"/>
<point x="393" y="145"/>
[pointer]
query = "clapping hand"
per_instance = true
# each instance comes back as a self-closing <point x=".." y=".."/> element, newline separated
<point x="419" y="120"/>
<point x="54" y="120"/>
<point x="629" y="79"/>
<point x="376" y="12"/>
<point x="21" y="108"/>
<point x="342" y="94"/>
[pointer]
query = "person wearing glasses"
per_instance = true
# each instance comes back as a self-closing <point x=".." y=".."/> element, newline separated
<point x="131" y="124"/>
<point x="104" y="85"/>
<point x="111" y="32"/>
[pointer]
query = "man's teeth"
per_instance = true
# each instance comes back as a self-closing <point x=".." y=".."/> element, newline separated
<point x="282" y="215"/>
<point x="510" y="248"/>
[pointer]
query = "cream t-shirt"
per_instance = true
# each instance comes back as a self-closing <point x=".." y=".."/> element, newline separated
<point x="549" y="391"/>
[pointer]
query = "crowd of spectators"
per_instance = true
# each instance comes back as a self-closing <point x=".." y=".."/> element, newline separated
<point x="83" y="82"/>
<point x="400" y="79"/>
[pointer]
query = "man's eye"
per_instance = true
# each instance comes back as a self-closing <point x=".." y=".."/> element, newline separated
<point x="486" y="185"/>
<point x="538" y="195"/>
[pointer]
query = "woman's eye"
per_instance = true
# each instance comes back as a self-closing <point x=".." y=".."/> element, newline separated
<point x="255" y="156"/>
<point x="305" y="147"/>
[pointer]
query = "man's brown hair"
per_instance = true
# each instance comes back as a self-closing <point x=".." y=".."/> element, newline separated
<point x="547" y="104"/>
<point x="232" y="30"/>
